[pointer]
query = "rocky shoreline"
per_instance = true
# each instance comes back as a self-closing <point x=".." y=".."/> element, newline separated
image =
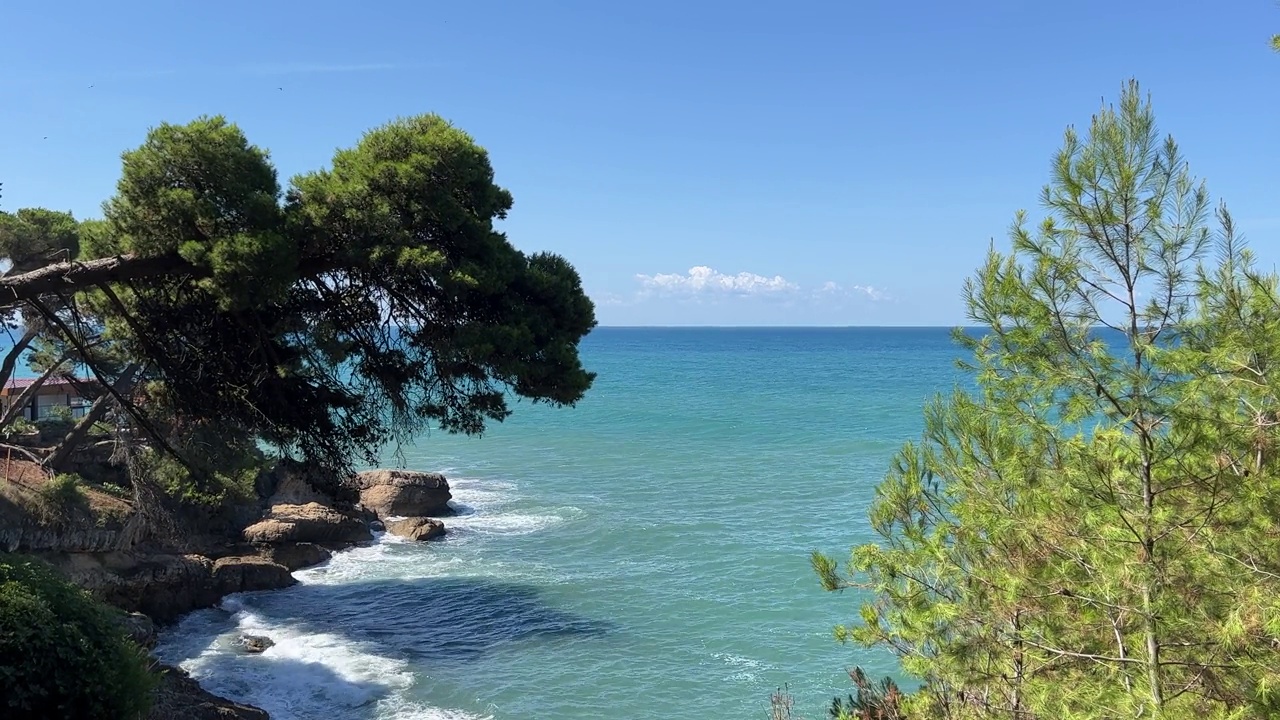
<point x="299" y="523"/>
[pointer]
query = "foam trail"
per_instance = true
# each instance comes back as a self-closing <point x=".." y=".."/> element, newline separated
<point x="311" y="673"/>
<point x="304" y="675"/>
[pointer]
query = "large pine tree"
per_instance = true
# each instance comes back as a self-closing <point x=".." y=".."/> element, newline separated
<point x="1090" y="531"/>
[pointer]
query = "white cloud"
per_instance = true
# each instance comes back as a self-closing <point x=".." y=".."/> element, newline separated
<point x="705" y="280"/>
<point x="703" y="284"/>
<point x="871" y="292"/>
<point x="832" y="289"/>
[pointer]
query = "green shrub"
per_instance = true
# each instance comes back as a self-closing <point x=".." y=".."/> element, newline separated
<point x="53" y="428"/>
<point x="215" y="482"/>
<point x="115" y="490"/>
<point x="20" y="426"/>
<point x="63" y="494"/>
<point x="62" y="654"/>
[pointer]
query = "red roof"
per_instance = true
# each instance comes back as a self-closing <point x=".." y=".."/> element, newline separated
<point x="52" y="383"/>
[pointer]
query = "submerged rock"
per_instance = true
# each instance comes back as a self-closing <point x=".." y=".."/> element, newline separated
<point x="310" y="522"/>
<point x="255" y="644"/>
<point x="416" y="528"/>
<point x="392" y="493"/>
<point x="178" y="696"/>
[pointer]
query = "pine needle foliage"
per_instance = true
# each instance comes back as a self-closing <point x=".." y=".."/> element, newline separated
<point x="1092" y="530"/>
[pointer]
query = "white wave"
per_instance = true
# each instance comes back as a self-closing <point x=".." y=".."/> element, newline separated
<point x="388" y="557"/>
<point x="510" y="523"/>
<point x="413" y="711"/>
<point x="748" y="668"/>
<point x="303" y="675"/>
<point x="308" y="674"/>
<point x="474" y="496"/>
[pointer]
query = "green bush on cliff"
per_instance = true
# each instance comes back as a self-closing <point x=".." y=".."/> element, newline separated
<point x="62" y="654"/>
<point x="63" y="494"/>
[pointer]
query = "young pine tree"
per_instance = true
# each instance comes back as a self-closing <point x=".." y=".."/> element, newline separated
<point x="1093" y="530"/>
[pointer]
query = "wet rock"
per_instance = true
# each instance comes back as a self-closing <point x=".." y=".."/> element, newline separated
<point x="255" y="644"/>
<point x="297" y="556"/>
<point x="417" y="528"/>
<point x="179" y="696"/>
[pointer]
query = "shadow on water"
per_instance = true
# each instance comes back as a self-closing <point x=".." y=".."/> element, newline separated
<point x="444" y="620"/>
<point x="364" y="633"/>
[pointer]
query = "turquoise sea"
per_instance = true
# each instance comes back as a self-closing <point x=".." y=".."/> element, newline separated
<point x="643" y="555"/>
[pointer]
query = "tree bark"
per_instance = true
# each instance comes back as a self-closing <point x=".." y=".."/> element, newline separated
<point x="15" y="409"/>
<point x="58" y="459"/>
<point x="72" y="276"/>
<point x="11" y="360"/>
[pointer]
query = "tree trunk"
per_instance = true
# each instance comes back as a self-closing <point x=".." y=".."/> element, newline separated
<point x="11" y="360"/>
<point x="15" y="409"/>
<point x="1149" y="629"/>
<point x="57" y="460"/>
<point x="68" y="277"/>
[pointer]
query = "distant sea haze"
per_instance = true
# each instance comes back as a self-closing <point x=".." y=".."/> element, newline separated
<point x="642" y="555"/>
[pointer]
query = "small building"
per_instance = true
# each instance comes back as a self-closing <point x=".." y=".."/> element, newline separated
<point x="56" y="392"/>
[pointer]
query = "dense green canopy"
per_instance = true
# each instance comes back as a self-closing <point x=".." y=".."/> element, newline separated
<point x="366" y="301"/>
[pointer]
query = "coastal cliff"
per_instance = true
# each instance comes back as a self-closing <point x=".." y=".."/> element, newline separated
<point x="104" y="544"/>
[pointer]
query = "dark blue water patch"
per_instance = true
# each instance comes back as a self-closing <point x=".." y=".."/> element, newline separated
<point x="453" y="620"/>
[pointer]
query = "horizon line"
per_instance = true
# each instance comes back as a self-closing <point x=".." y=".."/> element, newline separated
<point x="781" y="327"/>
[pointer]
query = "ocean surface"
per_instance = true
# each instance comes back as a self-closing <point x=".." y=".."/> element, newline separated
<point x="643" y="555"/>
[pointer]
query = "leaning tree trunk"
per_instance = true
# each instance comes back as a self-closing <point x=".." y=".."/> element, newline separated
<point x="11" y="360"/>
<point x="58" y="459"/>
<point x="15" y="409"/>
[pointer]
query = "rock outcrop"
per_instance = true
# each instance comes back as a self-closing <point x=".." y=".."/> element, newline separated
<point x="417" y="528"/>
<point x="162" y="586"/>
<point x="255" y="644"/>
<point x="82" y="519"/>
<point x="307" y="523"/>
<point x="247" y="574"/>
<point x="167" y="586"/>
<point x="402" y="493"/>
<point x="100" y="542"/>
<point x="296" y="556"/>
<point x="139" y="628"/>
<point x="179" y="696"/>
<point x="96" y="535"/>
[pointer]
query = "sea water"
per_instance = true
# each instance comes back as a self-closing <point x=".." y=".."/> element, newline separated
<point x="643" y="555"/>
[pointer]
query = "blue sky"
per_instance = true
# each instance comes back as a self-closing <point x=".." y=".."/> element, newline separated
<point x="700" y="162"/>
